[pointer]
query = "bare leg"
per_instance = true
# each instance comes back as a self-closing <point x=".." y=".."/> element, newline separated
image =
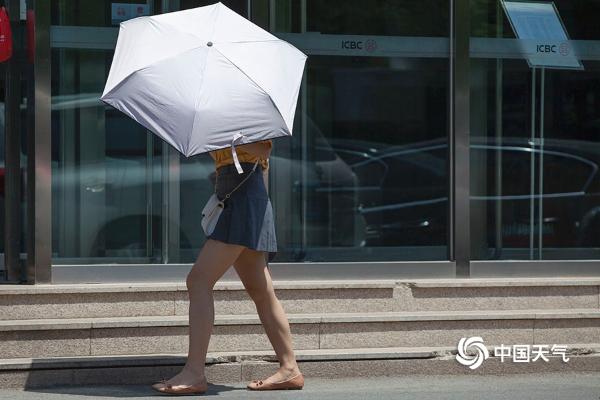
<point x="252" y="270"/>
<point x="213" y="261"/>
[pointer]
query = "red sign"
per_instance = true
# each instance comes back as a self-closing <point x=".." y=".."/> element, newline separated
<point x="5" y="36"/>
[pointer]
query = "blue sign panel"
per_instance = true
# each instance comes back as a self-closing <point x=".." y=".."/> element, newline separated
<point x="542" y="36"/>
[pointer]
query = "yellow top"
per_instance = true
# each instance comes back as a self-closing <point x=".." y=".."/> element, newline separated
<point x="224" y="156"/>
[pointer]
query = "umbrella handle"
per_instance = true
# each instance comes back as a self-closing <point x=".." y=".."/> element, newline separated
<point x="236" y="161"/>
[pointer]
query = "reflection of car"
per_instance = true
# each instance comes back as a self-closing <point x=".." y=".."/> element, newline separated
<point x="101" y="205"/>
<point x="403" y="190"/>
<point x="570" y="198"/>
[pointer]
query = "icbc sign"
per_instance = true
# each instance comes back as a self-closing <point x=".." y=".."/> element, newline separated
<point x="369" y="45"/>
<point x="563" y="49"/>
<point x="352" y="44"/>
<point x="546" y="48"/>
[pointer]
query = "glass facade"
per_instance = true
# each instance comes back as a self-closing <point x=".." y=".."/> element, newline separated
<point x="364" y="177"/>
<point x="369" y="173"/>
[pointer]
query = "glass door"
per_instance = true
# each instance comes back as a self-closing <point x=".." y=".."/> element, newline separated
<point x="535" y="107"/>
<point x="106" y="169"/>
<point x="365" y="175"/>
<point x="16" y="116"/>
<point x="3" y="167"/>
<point x="119" y="193"/>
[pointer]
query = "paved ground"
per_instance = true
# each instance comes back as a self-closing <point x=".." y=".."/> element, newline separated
<point x="571" y="386"/>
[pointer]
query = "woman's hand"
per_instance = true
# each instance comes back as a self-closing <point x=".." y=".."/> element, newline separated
<point x="260" y="149"/>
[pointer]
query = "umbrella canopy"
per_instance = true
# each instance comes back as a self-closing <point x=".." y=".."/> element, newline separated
<point x="204" y="79"/>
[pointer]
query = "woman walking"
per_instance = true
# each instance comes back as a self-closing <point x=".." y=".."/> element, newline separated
<point x="244" y="237"/>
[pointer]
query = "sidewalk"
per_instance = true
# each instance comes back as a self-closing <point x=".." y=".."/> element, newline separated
<point x="572" y="386"/>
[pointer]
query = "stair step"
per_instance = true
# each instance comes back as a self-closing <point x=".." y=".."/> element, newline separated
<point x="243" y="366"/>
<point x="169" y="287"/>
<point x="51" y="288"/>
<point x="169" y="334"/>
<point x="225" y="356"/>
<point x="256" y="355"/>
<point x="505" y="282"/>
<point x="300" y="297"/>
<point x="247" y="319"/>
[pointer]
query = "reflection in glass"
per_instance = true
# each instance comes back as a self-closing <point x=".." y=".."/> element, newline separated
<point x="105" y="175"/>
<point x="364" y="177"/>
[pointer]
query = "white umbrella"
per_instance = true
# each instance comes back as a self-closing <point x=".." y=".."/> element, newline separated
<point x="204" y="79"/>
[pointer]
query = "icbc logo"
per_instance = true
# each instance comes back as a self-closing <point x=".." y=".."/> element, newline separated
<point x="546" y="48"/>
<point x="563" y="49"/>
<point x="352" y="44"/>
<point x="369" y="45"/>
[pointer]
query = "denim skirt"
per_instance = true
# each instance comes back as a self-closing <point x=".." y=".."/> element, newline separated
<point x="247" y="218"/>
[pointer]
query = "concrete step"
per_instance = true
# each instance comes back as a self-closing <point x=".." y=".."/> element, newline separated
<point x="300" y="297"/>
<point x="169" y="334"/>
<point x="243" y="366"/>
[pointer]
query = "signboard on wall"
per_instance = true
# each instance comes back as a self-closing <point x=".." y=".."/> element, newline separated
<point x="542" y="36"/>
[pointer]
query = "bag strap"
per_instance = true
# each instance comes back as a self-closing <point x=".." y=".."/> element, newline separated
<point x="239" y="184"/>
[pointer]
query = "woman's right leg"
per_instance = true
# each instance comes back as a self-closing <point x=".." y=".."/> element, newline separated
<point x="214" y="259"/>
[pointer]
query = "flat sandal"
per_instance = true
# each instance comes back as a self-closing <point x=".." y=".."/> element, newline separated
<point x="168" y="389"/>
<point x="295" y="382"/>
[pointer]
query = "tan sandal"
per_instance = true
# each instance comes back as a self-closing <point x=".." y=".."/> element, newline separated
<point x="295" y="382"/>
<point x="168" y="388"/>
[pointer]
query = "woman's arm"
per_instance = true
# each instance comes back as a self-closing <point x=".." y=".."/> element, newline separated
<point x="260" y="149"/>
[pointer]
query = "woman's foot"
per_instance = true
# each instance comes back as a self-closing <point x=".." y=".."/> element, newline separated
<point x="282" y="374"/>
<point x="186" y="378"/>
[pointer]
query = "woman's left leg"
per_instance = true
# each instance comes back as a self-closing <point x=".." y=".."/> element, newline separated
<point x="214" y="259"/>
<point x="254" y="274"/>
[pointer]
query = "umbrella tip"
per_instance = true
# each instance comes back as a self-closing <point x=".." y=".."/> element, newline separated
<point x="209" y="44"/>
